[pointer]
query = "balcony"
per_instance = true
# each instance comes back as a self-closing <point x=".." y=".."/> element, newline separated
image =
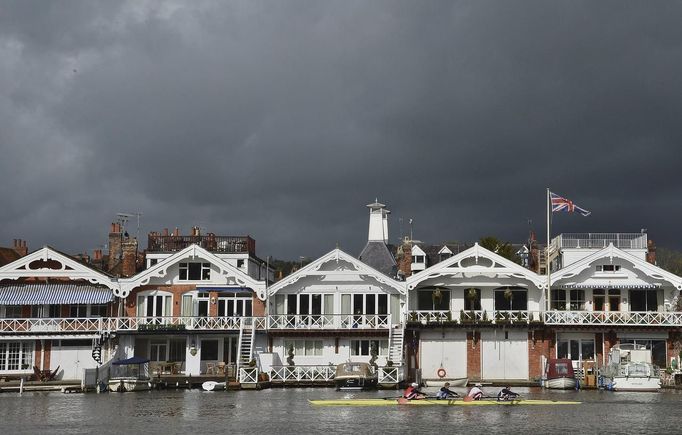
<point x="613" y="318"/>
<point x="128" y="324"/>
<point x="475" y="317"/>
<point x="329" y="321"/>
<point x="601" y="240"/>
<point x="210" y="242"/>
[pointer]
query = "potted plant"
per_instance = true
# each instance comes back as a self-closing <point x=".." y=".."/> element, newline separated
<point x="290" y="358"/>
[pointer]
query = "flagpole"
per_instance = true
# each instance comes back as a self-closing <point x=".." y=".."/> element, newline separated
<point x="548" y="262"/>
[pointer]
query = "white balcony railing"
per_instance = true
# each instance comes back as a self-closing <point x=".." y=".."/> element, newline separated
<point x="613" y="318"/>
<point x="329" y="321"/>
<point x="113" y="324"/>
<point x="601" y="240"/>
<point x="477" y="316"/>
<point x="302" y="373"/>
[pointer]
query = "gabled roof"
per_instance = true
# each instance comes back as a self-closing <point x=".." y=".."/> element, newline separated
<point x="47" y="262"/>
<point x="358" y="268"/>
<point x="377" y="255"/>
<point x="160" y="269"/>
<point x="476" y="261"/>
<point x="610" y="252"/>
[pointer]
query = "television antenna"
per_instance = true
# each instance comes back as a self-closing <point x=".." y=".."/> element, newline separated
<point x="123" y="218"/>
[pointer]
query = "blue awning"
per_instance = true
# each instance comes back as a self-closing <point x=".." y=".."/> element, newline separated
<point x="225" y="289"/>
<point x="55" y="294"/>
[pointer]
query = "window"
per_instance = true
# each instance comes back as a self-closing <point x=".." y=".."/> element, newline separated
<point x="176" y="350"/>
<point x="209" y="350"/>
<point x="153" y="261"/>
<point x="558" y="299"/>
<point x="12" y="311"/>
<point x="154" y="304"/>
<point x="304" y="347"/>
<point x="195" y="271"/>
<point x="238" y="304"/>
<point x="16" y="355"/>
<point x="78" y="311"/>
<point x="580" y="349"/>
<point x="577" y="300"/>
<point x="444" y="256"/>
<point x="157" y="350"/>
<point x="45" y="311"/>
<point x="436" y="299"/>
<point x="510" y="299"/>
<point x="608" y="267"/>
<point x="472" y="299"/>
<point x="240" y="263"/>
<point x="98" y="310"/>
<point x="418" y="259"/>
<point x="643" y="300"/>
<point x="364" y="347"/>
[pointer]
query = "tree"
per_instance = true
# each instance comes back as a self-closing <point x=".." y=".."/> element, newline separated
<point x="504" y="249"/>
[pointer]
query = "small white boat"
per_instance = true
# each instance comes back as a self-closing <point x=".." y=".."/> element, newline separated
<point x="630" y="369"/>
<point x="559" y="374"/>
<point x="454" y="382"/>
<point x="213" y="385"/>
<point x="130" y="374"/>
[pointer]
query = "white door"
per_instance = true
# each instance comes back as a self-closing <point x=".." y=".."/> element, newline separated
<point x="448" y="352"/>
<point x="72" y="358"/>
<point x="504" y="355"/>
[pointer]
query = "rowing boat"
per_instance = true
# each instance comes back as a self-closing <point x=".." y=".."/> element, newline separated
<point x="429" y="402"/>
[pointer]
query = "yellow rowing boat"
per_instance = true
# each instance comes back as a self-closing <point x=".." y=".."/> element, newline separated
<point x="429" y="402"/>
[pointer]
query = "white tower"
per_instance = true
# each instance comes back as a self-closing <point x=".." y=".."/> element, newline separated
<point x="378" y="222"/>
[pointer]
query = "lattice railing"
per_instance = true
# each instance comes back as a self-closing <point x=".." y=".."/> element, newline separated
<point x="391" y="375"/>
<point x="248" y="375"/>
<point x="635" y="318"/>
<point x="302" y="373"/>
<point x="329" y="321"/>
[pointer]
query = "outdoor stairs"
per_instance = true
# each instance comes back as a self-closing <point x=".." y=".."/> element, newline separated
<point x="396" y="337"/>
<point x="246" y="338"/>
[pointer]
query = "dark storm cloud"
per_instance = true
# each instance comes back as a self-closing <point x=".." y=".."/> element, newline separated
<point x="283" y="119"/>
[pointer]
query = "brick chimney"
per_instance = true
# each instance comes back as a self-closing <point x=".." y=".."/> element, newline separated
<point x="115" y="240"/>
<point x="176" y="232"/>
<point x="165" y="232"/>
<point x="129" y="248"/>
<point x="20" y="247"/>
<point x="651" y="251"/>
<point x="404" y="258"/>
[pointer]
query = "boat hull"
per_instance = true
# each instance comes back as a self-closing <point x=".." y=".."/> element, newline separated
<point x="122" y="385"/>
<point x="635" y="384"/>
<point x="560" y="383"/>
<point x="454" y="382"/>
<point x="355" y="383"/>
<point x="433" y="402"/>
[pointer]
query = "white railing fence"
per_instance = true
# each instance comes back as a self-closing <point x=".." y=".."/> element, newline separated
<point x="391" y="375"/>
<point x="328" y="321"/>
<point x="302" y="373"/>
<point x="248" y="375"/>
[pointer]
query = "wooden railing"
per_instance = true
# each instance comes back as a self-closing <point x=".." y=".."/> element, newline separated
<point x="329" y="321"/>
<point x="302" y="373"/>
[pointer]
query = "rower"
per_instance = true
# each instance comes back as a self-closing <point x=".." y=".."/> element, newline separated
<point x="475" y="393"/>
<point x="507" y="394"/>
<point x="445" y="392"/>
<point x="412" y="393"/>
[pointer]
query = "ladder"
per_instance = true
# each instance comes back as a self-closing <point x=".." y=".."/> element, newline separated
<point x="246" y="334"/>
<point x="395" y="345"/>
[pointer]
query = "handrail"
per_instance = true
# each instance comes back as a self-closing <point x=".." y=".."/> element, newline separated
<point x="329" y="321"/>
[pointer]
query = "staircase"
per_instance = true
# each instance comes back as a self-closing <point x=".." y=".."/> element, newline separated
<point x="395" y="345"/>
<point x="246" y="335"/>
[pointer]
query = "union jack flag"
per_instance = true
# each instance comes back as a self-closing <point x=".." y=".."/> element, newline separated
<point x="560" y="203"/>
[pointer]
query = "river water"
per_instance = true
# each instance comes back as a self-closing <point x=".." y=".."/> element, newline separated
<point x="284" y="411"/>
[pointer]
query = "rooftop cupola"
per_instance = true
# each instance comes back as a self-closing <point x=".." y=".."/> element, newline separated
<point x="378" y="222"/>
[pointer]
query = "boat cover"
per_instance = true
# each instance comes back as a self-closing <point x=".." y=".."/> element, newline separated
<point x="130" y="361"/>
<point x="560" y="368"/>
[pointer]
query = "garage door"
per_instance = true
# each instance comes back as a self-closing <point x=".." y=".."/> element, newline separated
<point x="448" y="352"/>
<point x="72" y="356"/>
<point x="504" y="355"/>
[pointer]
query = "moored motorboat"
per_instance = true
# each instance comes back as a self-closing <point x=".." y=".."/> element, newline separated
<point x="559" y="374"/>
<point x="630" y="369"/>
<point x="355" y="376"/>
<point x="391" y="401"/>
<point x="130" y="374"/>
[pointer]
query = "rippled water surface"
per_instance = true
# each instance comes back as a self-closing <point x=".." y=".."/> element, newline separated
<point x="288" y="411"/>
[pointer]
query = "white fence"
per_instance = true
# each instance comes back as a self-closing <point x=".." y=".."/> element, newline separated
<point x="329" y="321"/>
<point x="302" y="373"/>
<point x="248" y="375"/>
<point x="391" y="375"/>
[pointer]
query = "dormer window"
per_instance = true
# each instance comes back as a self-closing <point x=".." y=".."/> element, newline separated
<point x="195" y="271"/>
<point x="418" y="259"/>
<point x="444" y="256"/>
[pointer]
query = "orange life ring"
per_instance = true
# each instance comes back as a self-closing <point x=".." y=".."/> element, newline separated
<point x="441" y="372"/>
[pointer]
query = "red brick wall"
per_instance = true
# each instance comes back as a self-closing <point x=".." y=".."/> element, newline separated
<point x="46" y="357"/>
<point x="474" y="355"/>
<point x="672" y="349"/>
<point x="37" y="355"/>
<point x="258" y="306"/>
<point x="540" y="343"/>
<point x="610" y="340"/>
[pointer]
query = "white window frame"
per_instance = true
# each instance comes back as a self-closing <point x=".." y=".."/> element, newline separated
<point x="25" y="355"/>
<point x="204" y="274"/>
<point x="304" y="347"/>
<point x="382" y="347"/>
<point x="141" y="309"/>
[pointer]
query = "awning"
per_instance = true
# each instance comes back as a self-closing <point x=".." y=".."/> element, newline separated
<point x="130" y="361"/>
<point x="608" y="286"/>
<point x="41" y="294"/>
<point x="225" y="289"/>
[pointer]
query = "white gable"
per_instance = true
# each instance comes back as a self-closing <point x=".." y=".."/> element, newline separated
<point x="334" y="269"/>
<point x="445" y="250"/>
<point x="164" y="272"/>
<point x="476" y="263"/>
<point x="49" y="263"/>
<point x="416" y="250"/>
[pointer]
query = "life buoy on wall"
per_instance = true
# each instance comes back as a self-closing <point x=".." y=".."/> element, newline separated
<point x="441" y="372"/>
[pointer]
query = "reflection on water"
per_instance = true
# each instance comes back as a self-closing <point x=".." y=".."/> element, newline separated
<point x="288" y="411"/>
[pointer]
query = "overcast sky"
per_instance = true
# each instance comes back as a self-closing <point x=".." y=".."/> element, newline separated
<point x="283" y="119"/>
